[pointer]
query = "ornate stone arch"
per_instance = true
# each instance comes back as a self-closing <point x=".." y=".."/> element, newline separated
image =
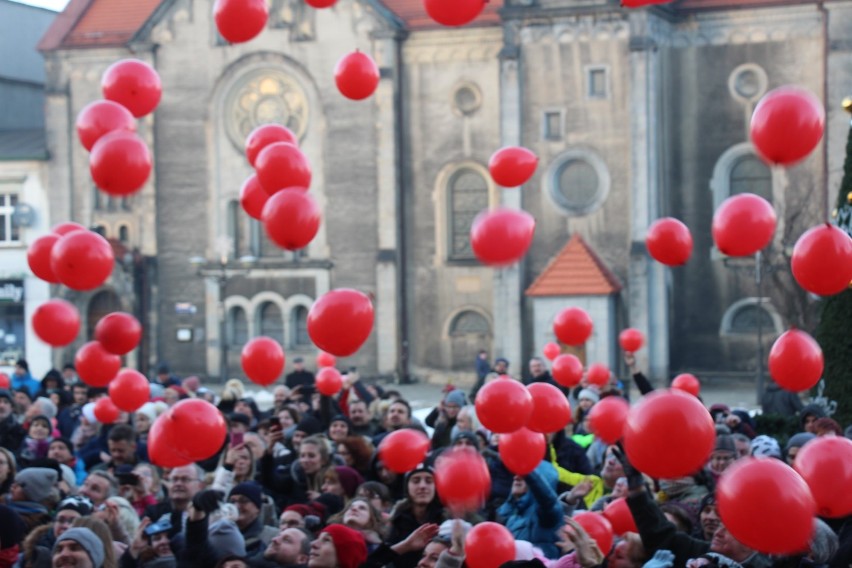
<point x="466" y="331"/>
<point x="445" y="210"/>
<point x="263" y="301"/>
<point x="736" y="320"/>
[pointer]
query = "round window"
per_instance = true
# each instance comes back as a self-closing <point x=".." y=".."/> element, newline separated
<point x="578" y="182"/>
<point x="467" y="99"/>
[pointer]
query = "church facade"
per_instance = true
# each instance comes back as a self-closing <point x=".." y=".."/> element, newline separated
<point x="634" y="114"/>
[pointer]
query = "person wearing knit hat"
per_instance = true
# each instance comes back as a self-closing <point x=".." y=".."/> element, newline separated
<point x="765" y="446"/>
<point x="810" y="414"/>
<point x="308" y="426"/>
<point x="36" y="484"/>
<point x="79" y="547"/>
<point x="342" y="481"/>
<point x="42" y="406"/>
<point x="589" y="394"/>
<point x="795" y="442"/>
<point x="468" y="439"/>
<point x="69" y="510"/>
<point x="250" y="490"/>
<point x="37" y="441"/>
<point x="338" y="546"/>
<point x="248" y="498"/>
<point x="724" y="453"/>
<point x="339" y="428"/>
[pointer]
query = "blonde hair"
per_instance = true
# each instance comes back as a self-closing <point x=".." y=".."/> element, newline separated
<point x="233" y="390"/>
<point x="127" y="518"/>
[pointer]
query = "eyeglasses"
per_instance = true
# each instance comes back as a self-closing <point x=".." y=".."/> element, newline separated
<point x="183" y="480"/>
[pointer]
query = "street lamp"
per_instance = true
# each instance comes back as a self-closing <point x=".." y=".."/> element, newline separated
<point x="220" y="271"/>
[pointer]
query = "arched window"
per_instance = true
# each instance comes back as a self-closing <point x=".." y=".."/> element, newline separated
<point x="237" y="327"/>
<point x="271" y="321"/>
<point x="750" y="175"/>
<point x="299" y="327"/>
<point x="750" y="315"/>
<point x="123" y="233"/>
<point x="101" y="304"/>
<point x="469" y="322"/>
<point x="467" y="195"/>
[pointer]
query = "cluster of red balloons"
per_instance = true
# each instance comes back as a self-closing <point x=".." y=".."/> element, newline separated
<point x="190" y="431"/>
<point x="277" y="193"/>
<point x="340" y="321"/>
<point x="239" y="21"/>
<point x="262" y="359"/>
<point x="501" y="237"/>
<point x="356" y="75"/>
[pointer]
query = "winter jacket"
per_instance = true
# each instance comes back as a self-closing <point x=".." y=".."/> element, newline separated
<point x="536" y="516"/>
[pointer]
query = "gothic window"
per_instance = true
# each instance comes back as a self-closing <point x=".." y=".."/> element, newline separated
<point x="123" y="234"/>
<point x="299" y="322"/>
<point x="750" y="315"/>
<point x="237" y="327"/>
<point x="467" y="196"/>
<point x="271" y="321"/>
<point x="750" y="175"/>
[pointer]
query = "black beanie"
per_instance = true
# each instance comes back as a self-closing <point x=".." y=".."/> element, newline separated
<point x="309" y="425"/>
<point x="11" y="528"/>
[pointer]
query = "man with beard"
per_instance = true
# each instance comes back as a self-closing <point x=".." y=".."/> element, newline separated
<point x="78" y="548"/>
<point x="290" y="549"/>
<point x="397" y="417"/>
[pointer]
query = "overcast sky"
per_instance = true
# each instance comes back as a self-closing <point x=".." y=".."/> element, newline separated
<point x="57" y="5"/>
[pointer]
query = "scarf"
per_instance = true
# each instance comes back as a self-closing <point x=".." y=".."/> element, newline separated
<point x="9" y="556"/>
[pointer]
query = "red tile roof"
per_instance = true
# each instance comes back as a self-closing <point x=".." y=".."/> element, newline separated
<point x="92" y="23"/>
<point x="575" y="271"/>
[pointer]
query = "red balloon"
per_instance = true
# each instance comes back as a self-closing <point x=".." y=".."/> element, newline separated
<point x="679" y="419"/>
<point x="640" y="3"/>
<point x="598" y="528"/>
<point x="489" y="545"/>
<point x="787" y="124"/>
<point x="129" y="390"/>
<point x="462" y="480"/>
<point x="796" y="361"/>
<point x="118" y="333"/>
<point x="101" y="117"/>
<point x="766" y="505"/>
<point x="82" y="260"/>
<point x="239" y="21"/>
<point x="5" y="381"/>
<point x="598" y="375"/>
<point x="38" y="257"/>
<point x="608" y="417"/>
<point x="356" y="75"/>
<point x="826" y="466"/>
<point x="619" y="516"/>
<point x="134" y="84"/>
<point x="551" y="351"/>
<point x="551" y="411"/>
<point x="321" y="3"/>
<point x="281" y="165"/>
<point x="822" y="260"/>
<point x="687" y="383"/>
<point x="329" y="381"/>
<point x="120" y="163"/>
<point x="669" y="242"/>
<point x="573" y="326"/>
<point x="199" y="428"/>
<point x="522" y="450"/>
<point x="253" y="197"/>
<point x="503" y="406"/>
<point x="106" y="411"/>
<point x="512" y="166"/>
<point x="262" y="359"/>
<point x="267" y="134"/>
<point x="326" y="359"/>
<point x="95" y="365"/>
<point x="403" y="450"/>
<point x="567" y="370"/>
<point x="340" y="321"/>
<point x="743" y="224"/>
<point x="631" y="340"/>
<point x="453" y="12"/>
<point x="291" y="219"/>
<point x="56" y="322"/>
<point x="161" y="446"/>
<point x="502" y="236"/>
<point x="63" y="229"/>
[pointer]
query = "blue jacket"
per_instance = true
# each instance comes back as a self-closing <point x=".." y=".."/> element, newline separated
<point x="26" y="382"/>
<point x="537" y="515"/>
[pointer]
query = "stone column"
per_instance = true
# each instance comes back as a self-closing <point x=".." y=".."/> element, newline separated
<point x="508" y="292"/>
<point x="647" y="286"/>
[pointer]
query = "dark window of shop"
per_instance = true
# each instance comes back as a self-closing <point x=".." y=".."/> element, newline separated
<point x="9" y="232"/>
<point x="12" y="326"/>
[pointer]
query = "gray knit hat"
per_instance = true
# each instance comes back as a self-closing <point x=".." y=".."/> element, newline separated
<point x="47" y="407"/>
<point x="88" y="540"/>
<point x="38" y="483"/>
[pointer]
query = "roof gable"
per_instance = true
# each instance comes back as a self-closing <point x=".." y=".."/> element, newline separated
<point x="575" y="271"/>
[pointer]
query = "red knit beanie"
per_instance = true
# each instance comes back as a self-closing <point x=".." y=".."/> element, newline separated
<point x="349" y="544"/>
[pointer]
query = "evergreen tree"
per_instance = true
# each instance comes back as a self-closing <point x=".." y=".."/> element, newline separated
<point x="834" y="332"/>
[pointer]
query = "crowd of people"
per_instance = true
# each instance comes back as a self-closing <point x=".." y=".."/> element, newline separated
<point x="302" y="484"/>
